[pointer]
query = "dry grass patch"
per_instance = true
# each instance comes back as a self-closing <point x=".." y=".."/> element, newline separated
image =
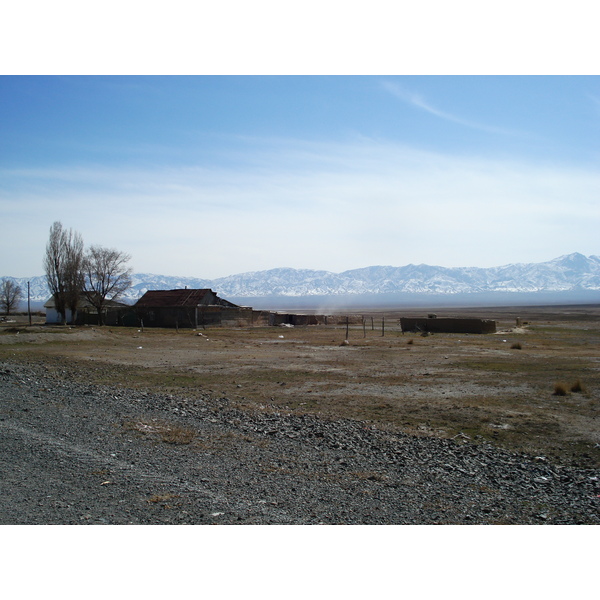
<point x="169" y="433"/>
<point x="228" y="440"/>
<point x="560" y="389"/>
<point x="160" y="498"/>
<point x="577" y="387"/>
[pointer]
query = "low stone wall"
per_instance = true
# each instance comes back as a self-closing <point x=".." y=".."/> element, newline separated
<point x="210" y="316"/>
<point x="447" y="325"/>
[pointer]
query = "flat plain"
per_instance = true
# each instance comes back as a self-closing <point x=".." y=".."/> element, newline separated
<point x="532" y="387"/>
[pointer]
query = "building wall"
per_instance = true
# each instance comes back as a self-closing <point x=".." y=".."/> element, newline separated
<point x="448" y="325"/>
<point x="166" y="317"/>
<point x="53" y="316"/>
<point x="196" y="317"/>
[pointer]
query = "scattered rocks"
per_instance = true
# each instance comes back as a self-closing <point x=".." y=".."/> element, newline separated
<point x="68" y="456"/>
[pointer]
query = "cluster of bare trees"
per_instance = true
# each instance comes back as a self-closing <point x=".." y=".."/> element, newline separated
<point x="98" y="274"/>
<point x="10" y="295"/>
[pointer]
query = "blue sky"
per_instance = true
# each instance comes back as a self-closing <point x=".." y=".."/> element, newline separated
<point x="208" y="176"/>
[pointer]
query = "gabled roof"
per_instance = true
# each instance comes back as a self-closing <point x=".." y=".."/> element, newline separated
<point x="174" y="298"/>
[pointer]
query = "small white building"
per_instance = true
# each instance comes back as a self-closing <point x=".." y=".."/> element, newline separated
<point x="83" y="306"/>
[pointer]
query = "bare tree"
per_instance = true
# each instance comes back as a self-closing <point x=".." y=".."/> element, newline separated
<point x="63" y="266"/>
<point x="10" y="295"/>
<point x="106" y="276"/>
<point x="74" y="271"/>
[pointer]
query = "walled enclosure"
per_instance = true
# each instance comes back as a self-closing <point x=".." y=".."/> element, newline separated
<point x="448" y="325"/>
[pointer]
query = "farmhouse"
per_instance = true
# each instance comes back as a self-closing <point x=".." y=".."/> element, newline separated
<point x="189" y="308"/>
<point x="86" y="313"/>
<point x="185" y="308"/>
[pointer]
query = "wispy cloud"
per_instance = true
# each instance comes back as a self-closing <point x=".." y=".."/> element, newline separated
<point x="419" y="102"/>
<point x="310" y="205"/>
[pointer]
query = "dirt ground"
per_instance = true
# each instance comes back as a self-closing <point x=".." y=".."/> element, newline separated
<point x="498" y="387"/>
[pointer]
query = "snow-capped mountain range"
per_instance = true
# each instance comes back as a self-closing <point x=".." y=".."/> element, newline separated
<point x="570" y="273"/>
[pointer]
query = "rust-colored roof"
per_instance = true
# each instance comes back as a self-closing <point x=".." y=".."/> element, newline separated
<point x="171" y="298"/>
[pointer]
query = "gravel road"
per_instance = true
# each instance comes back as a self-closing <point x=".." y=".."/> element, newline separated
<point x="77" y="453"/>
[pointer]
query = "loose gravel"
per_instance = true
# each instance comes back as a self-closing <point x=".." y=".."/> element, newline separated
<point x="73" y="452"/>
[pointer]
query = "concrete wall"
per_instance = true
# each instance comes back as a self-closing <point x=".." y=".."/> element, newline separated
<point x="448" y="325"/>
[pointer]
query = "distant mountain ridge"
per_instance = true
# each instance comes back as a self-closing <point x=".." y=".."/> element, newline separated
<point x="570" y="273"/>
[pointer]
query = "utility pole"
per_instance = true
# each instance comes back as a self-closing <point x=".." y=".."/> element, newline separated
<point x="28" y="303"/>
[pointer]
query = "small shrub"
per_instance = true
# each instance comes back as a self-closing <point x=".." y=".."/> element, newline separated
<point x="560" y="389"/>
<point x="577" y="387"/>
<point x="517" y="346"/>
